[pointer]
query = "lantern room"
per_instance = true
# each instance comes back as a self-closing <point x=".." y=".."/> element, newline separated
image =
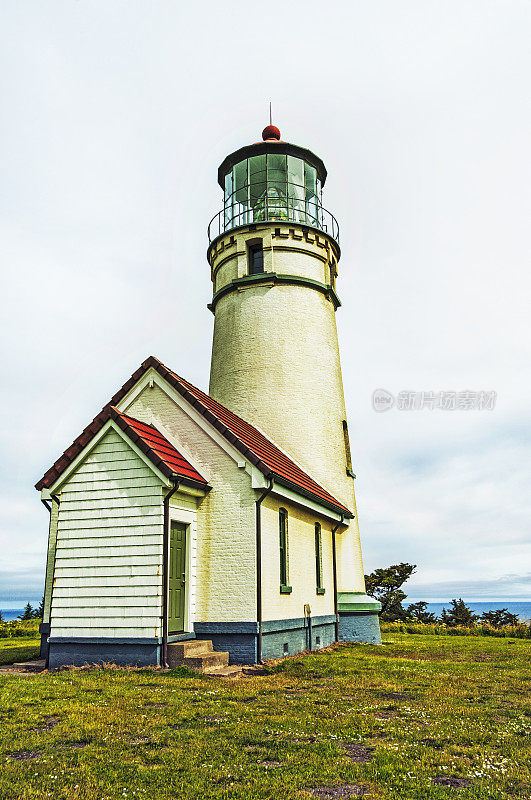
<point x="272" y="181"/>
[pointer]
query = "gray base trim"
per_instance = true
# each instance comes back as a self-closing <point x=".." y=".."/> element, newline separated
<point x="359" y="626"/>
<point x="122" y="652"/>
<point x="239" y="639"/>
<point x="271" y="626"/>
<point x="180" y="637"/>
<point x="224" y="627"/>
<point x="102" y="640"/>
<point x="44" y="630"/>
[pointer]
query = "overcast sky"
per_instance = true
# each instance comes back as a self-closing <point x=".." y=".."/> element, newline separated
<point x="115" y="117"/>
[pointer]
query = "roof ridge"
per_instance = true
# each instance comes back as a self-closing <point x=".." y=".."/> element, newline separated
<point x="252" y="443"/>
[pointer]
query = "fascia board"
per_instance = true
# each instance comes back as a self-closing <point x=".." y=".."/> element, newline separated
<point x="283" y="491"/>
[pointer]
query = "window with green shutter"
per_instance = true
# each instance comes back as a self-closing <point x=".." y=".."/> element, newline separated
<point x="318" y="560"/>
<point x="283" y="548"/>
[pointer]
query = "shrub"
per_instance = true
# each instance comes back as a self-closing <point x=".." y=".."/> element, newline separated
<point x="520" y="631"/>
<point x="18" y="628"/>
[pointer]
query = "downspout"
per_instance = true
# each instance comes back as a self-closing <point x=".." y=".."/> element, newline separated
<point x="49" y="507"/>
<point x="259" y="568"/>
<point x="165" y="566"/>
<point x="334" y="565"/>
<point x="43" y="652"/>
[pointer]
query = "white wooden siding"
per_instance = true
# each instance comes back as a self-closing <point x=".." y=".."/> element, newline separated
<point x="50" y="560"/>
<point x="108" y="559"/>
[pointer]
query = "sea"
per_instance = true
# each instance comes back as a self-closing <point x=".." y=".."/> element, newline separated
<point x="12" y="613"/>
<point x="522" y="609"/>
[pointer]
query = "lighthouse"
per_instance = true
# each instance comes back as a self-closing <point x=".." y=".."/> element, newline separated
<point x="220" y="529"/>
<point x="274" y="256"/>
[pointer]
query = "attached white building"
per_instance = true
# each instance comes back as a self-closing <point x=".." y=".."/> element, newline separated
<point x="231" y="516"/>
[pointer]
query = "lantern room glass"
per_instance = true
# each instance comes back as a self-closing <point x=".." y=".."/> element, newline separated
<point x="273" y="187"/>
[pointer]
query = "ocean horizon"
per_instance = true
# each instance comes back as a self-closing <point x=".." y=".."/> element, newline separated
<point x="522" y="608"/>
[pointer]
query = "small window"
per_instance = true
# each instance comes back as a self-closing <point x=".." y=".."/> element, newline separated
<point x="318" y="559"/>
<point x="283" y="547"/>
<point x="347" y="447"/>
<point x="256" y="258"/>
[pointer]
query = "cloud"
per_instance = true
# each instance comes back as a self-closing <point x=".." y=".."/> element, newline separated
<point x="506" y="587"/>
<point x="109" y="167"/>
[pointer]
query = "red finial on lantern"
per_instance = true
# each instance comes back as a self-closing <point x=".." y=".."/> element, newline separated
<point x="270" y="132"/>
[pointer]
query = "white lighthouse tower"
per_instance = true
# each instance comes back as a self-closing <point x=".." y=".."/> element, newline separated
<point x="274" y="254"/>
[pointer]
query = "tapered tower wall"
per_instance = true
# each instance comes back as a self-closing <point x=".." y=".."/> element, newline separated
<point x="275" y="356"/>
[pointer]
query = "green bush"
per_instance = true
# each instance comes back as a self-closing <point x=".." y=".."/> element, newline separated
<point x="17" y="628"/>
<point x="520" y="631"/>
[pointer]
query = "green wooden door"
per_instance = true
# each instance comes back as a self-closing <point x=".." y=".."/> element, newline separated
<point x="176" y="577"/>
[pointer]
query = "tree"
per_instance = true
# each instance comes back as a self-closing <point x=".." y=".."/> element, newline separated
<point x="499" y="618"/>
<point x="384" y="585"/>
<point x="28" y="613"/>
<point x="38" y="613"/>
<point x="418" y="612"/>
<point x="459" y="614"/>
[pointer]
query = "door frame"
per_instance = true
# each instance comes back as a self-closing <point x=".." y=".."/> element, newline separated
<point x="188" y="519"/>
<point x="186" y="573"/>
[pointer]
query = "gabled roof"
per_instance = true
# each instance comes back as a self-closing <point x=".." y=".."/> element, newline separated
<point x="249" y="441"/>
<point x="147" y="438"/>
<point x="158" y="449"/>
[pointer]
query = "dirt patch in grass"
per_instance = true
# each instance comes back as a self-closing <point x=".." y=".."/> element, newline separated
<point x="386" y="713"/>
<point x="46" y="724"/>
<point x="74" y="745"/>
<point x="24" y="755"/>
<point x="437" y="744"/>
<point x="348" y="790"/>
<point x="450" y="780"/>
<point x="269" y="764"/>
<point x="396" y="696"/>
<point x="304" y="740"/>
<point x="358" y="753"/>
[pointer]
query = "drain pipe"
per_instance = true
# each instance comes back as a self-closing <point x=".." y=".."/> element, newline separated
<point x="165" y="567"/>
<point x="42" y="628"/>
<point x="308" y="615"/>
<point x="334" y="565"/>
<point x="43" y="651"/>
<point x="259" y="568"/>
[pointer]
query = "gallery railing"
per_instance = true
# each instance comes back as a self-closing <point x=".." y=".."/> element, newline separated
<point x="274" y="210"/>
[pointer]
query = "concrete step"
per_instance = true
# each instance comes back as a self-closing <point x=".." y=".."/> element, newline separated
<point x="232" y="671"/>
<point x="179" y="651"/>
<point x="38" y="665"/>
<point x="203" y="662"/>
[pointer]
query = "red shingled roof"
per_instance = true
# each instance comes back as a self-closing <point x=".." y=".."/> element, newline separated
<point x="253" y="445"/>
<point x="158" y="449"/>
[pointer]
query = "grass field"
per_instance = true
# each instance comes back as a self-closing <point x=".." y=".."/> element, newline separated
<point x="19" y="649"/>
<point x="421" y="717"/>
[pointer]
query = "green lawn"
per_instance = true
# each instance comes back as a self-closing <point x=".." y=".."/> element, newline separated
<point x="19" y="649"/>
<point x="396" y="721"/>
